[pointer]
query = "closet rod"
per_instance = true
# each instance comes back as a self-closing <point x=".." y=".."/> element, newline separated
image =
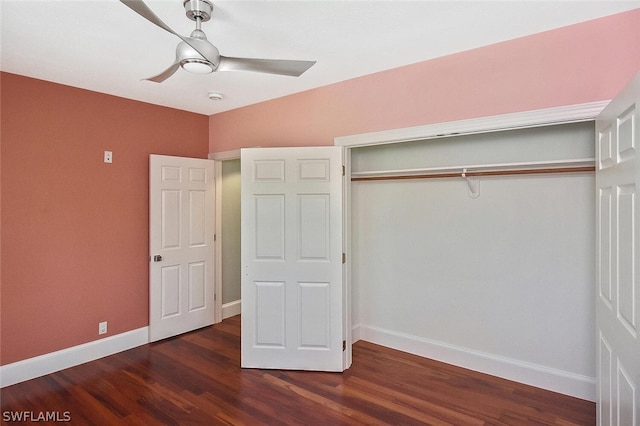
<point x="477" y="173"/>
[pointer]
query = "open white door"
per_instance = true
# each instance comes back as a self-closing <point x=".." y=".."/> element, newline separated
<point x="618" y="259"/>
<point x="292" y="258"/>
<point x="181" y="234"/>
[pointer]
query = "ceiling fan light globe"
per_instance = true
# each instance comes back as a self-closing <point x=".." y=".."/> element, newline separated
<point x="197" y="66"/>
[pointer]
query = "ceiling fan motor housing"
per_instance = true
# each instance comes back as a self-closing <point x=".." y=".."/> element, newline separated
<point x="187" y="54"/>
<point x="198" y="9"/>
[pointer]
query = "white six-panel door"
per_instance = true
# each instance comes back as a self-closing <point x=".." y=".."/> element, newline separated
<point x="618" y="259"/>
<point x="181" y="241"/>
<point x="292" y="270"/>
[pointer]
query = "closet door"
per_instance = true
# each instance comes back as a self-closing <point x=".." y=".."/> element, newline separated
<point x="618" y="261"/>
<point x="292" y="262"/>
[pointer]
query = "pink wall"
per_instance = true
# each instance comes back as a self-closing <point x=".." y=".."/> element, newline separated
<point x="74" y="229"/>
<point x="581" y="63"/>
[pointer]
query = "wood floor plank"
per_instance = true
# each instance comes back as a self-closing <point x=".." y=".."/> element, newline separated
<point x="417" y="407"/>
<point x="196" y="379"/>
<point x="298" y="393"/>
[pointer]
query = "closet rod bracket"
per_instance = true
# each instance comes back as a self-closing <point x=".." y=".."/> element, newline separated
<point x="474" y="185"/>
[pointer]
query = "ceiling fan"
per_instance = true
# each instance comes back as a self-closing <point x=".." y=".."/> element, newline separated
<point x="196" y="54"/>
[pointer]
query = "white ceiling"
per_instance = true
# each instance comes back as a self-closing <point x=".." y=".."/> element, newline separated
<point x="104" y="46"/>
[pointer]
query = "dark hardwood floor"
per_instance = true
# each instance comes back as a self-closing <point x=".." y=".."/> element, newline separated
<point x="195" y="379"/>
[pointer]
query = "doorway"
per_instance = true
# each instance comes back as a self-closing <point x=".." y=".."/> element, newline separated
<point x="230" y="237"/>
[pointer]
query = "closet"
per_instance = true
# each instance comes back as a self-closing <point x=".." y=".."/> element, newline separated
<point x="479" y="250"/>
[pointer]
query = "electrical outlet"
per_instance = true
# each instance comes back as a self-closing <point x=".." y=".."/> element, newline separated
<point x="102" y="328"/>
<point x="108" y="157"/>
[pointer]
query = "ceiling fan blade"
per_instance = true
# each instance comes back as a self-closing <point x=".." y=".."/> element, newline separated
<point x="165" y="74"/>
<point x="269" y="66"/>
<point x="143" y="10"/>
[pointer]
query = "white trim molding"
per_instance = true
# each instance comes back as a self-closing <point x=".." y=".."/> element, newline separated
<point x="516" y="120"/>
<point x="233" y="154"/>
<point x="231" y="309"/>
<point x="552" y="379"/>
<point x="217" y="243"/>
<point x="55" y="361"/>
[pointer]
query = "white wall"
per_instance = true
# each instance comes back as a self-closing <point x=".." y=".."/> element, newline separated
<point x="503" y="283"/>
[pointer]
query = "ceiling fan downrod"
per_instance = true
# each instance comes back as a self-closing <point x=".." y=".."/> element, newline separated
<point x="198" y="11"/>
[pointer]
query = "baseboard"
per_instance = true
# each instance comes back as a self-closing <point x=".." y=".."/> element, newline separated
<point x="231" y="309"/>
<point x="535" y="375"/>
<point x="49" y="363"/>
<point x="564" y="382"/>
<point x="356" y="333"/>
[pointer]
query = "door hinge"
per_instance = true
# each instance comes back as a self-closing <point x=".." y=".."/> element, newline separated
<point x="344" y="172"/>
<point x="214" y="237"/>
<point x="344" y="345"/>
<point x="344" y="258"/>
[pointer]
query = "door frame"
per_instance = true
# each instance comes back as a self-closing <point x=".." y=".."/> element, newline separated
<point x="522" y="120"/>
<point x="219" y="157"/>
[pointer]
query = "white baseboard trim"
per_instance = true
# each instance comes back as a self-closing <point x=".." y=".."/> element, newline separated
<point x="555" y="380"/>
<point x="55" y="361"/>
<point x="231" y="309"/>
<point x="356" y="333"/>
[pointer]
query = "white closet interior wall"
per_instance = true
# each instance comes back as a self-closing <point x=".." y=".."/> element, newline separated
<point x="507" y="277"/>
